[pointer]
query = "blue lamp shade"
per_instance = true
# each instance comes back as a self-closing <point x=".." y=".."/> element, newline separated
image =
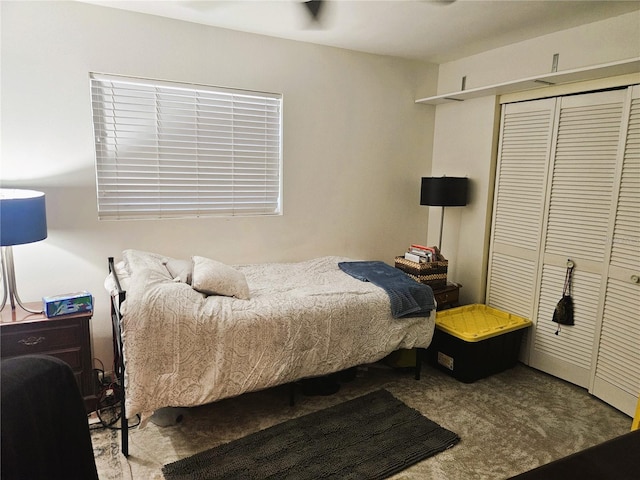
<point x="23" y="217"/>
<point x="444" y="191"/>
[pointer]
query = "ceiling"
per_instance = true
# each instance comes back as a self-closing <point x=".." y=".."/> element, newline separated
<point x="428" y="30"/>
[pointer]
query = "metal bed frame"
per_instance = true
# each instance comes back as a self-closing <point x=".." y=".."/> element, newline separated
<point x="118" y="358"/>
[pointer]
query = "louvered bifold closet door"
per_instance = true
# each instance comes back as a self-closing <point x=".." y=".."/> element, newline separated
<point x="581" y="196"/>
<point x="523" y="156"/>
<point x="617" y="369"/>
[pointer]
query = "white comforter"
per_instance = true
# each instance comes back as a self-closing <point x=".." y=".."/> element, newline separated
<point x="302" y="319"/>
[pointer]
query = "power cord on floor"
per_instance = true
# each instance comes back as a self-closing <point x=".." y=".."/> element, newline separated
<point x="108" y="408"/>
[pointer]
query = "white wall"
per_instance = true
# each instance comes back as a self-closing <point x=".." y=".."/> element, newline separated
<point x="355" y="144"/>
<point x="465" y="137"/>
<point x="615" y="38"/>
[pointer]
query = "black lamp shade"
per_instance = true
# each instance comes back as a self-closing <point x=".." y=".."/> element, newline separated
<point x="23" y="217"/>
<point x="444" y="191"/>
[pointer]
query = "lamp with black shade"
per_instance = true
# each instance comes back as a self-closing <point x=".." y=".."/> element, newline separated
<point x="23" y="219"/>
<point x="444" y="192"/>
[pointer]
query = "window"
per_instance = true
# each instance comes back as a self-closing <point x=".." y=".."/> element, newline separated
<point x="171" y="150"/>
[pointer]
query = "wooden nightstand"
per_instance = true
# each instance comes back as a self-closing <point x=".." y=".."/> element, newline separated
<point x="66" y="337"/>
<point x="447" y="296"/>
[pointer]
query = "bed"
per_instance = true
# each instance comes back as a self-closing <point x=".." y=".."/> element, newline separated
<point x="190" y="332"/>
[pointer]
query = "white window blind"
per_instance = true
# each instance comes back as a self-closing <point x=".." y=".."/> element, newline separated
<point x="167" y="150"/>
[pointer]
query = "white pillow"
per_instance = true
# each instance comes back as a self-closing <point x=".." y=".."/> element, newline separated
<point x="180" y="270"/>
<point x="215" y="278"/>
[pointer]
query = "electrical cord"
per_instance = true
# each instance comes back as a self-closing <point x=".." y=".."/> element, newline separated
<point x="108" y="408"/>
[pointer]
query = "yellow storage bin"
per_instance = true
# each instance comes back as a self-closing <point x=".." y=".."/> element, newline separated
<point x="476" y="341"/>
<point x="473" y="323"/>
<point x="403" y="358"/>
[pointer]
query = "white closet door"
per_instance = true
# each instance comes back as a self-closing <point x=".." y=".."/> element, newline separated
<point x="581" y="191"/>
<point x="525" y="138"/>
<point x="617" y="369"/>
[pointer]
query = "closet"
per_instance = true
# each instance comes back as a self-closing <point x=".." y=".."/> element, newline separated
<point x="568" y="190"/>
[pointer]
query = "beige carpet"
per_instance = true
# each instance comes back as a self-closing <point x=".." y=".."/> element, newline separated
<point x="508" y="423"/>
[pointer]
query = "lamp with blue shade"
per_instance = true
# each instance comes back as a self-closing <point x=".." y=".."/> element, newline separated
<point x="23" y="219"/>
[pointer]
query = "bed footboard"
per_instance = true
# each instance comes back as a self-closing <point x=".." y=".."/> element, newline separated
<point x="118" y="358"/>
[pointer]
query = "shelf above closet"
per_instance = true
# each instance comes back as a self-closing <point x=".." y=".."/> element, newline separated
<point x="621" y="67"/>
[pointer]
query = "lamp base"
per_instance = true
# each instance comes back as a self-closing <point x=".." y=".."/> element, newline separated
<point x="9" y="281"/>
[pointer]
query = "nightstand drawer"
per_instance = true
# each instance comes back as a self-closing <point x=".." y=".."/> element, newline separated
<point x="448" y="296"/>
<point x="72" y="356"/>
<point x="39" y="338"/>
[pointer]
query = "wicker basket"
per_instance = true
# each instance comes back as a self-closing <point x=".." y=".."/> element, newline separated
<point x="433" y="274"/>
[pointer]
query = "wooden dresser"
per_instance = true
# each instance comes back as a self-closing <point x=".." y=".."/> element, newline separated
<point x="66" y="337"/>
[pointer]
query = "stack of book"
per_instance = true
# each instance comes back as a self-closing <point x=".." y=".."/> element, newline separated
<point x="420" y="254"/>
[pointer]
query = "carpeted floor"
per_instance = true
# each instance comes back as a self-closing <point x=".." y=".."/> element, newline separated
<point x="508" y="423"/>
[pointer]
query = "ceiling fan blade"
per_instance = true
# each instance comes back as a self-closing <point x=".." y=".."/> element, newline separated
<point x="314" y="7"/>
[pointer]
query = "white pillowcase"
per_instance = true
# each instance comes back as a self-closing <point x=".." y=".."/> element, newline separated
<point x="215" y="278"/>
<point x="180" y="270"/>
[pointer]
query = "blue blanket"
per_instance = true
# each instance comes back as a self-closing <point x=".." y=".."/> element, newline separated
<point x="408" y="297"/>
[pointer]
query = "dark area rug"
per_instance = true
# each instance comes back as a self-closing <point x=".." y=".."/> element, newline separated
<point x="370" y="437"/>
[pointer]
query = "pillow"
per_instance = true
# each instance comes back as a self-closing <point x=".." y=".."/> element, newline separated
<point x="180" y="270"/>
<point x="215" y="278"/>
